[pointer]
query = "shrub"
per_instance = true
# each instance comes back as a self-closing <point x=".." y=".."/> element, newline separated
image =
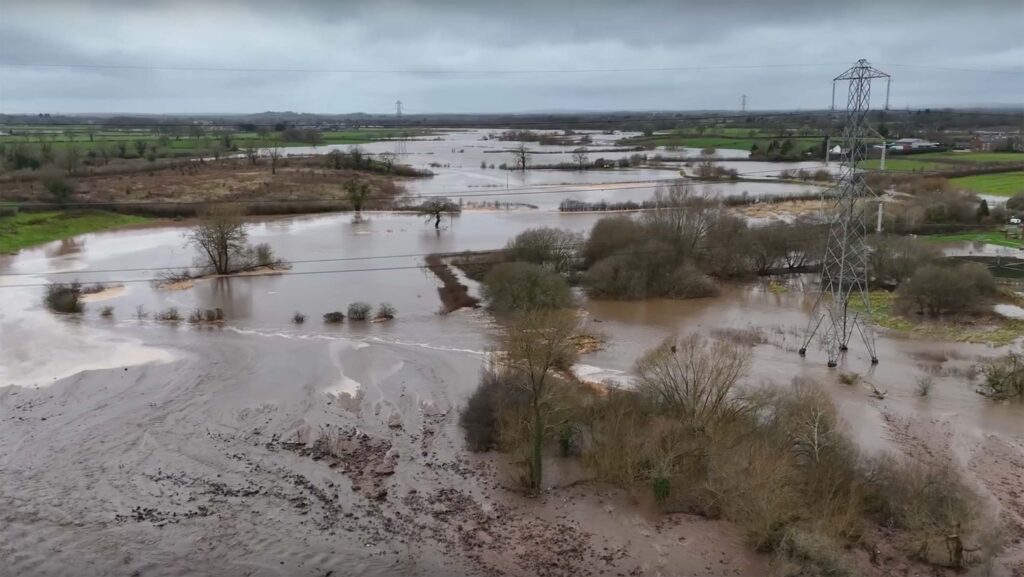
<point x="60" y="191"/>
<point x="64" y="297"/>
<point x="519" y="286"/>
<point x="264" y="255"/>
<point x="170" y="314"/>
<point x="923" y="385"/>
<point x="333" y="317"/>
<point x="935" y="289"/>
<point x="479" y="418"/>
<point x="1004" y="377"/>
<point x="610" y="235"/>
<point x="1015" y="203"/>
<point x="385" y="312"/>
<point x="298" y="318"/>
<point x="196" y="316"/>
<point x="359" y="311"/>
<point x="107" y="311"/>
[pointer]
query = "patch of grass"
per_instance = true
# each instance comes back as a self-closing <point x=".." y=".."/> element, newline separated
<point x="23" y="230"/>
<point x="902" y="164"/>
<point x="999" y="184"/>
<point x="988" y="237"/>
<point x="996" y="331"/>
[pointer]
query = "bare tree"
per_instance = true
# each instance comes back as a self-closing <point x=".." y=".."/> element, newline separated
<point x="521" y="155"/>
<point x="221" y="238"/>
<point x="434" y="208"/>
<point x="683" y="217"/>
<point x="140" y="148"/>
<point x="537" y="344"/>
<point x="580" y="157"/>
<point x="71" y="158"/>
<point x="692" y="377"/>
<point x="388" y="160"/>
<point x="274" y="152"/>
<point x="252" y="153"/>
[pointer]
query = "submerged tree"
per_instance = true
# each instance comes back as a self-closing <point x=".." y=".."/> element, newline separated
<point x="358" y="193"/>
<point x="521" y="154"/>
<point x="580" y="157"/>
<point x="434" y="208"/>
<point x="537" y="344"/>
<point x="220" y="237"/>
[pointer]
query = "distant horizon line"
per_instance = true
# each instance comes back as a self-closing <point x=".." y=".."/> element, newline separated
<point x="735" y="112"/>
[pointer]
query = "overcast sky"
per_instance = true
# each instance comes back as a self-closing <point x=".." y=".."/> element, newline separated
<point x="781" y="53"/>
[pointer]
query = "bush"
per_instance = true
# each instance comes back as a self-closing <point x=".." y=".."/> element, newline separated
<point x="359" y="311"/>
<point x="610" y="235"/>
<point x="923" y="385"/>
<point x="264" y="255"/>
<point x="60" y="191"/>
<point x="332" y="318"/>
<point x="171" y="314"/>
<point x="479" y="418"/>
<point x="519" y="286"/>
<point x="935" y="289"/>
<point x="385" y="312"/>
<point x="107" y="311"/>
<point x="64" y="297"/>
<point x="1015" y="203"/>
<point x="298" y="318"/>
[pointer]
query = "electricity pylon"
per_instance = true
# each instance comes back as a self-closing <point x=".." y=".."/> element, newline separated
<point x="844" y="271"/>
<point x="400" y="141"/>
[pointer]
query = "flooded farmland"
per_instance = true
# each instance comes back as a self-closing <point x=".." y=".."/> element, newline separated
<point x="126" y="443"/>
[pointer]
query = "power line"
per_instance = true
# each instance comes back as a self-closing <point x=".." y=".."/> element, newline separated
<point x="342" y="271"/>
<point x="411" y="71"/>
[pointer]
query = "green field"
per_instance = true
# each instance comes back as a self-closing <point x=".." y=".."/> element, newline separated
<point x="29" y="229"/>
<point x="733" y="138"/>
<point x="903" y="165"/>
<point x="988" y="237"/>
<point x="938" y="161"/>
<point x="998" y="184"/>
<point x="185" y="144"/>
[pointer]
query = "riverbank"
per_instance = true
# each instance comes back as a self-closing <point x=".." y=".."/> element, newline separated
<point x="25" y="230"/>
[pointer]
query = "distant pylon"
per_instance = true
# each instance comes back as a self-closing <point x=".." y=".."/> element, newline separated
<point x="743" y="103"/>
<point x="400" y="140"/>
<point x="844" y="271"/>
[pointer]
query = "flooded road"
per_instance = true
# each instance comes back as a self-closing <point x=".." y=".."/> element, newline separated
<point x="129" y="445"/>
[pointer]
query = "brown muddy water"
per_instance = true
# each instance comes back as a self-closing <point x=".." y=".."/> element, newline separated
<point x="134" y="447"/>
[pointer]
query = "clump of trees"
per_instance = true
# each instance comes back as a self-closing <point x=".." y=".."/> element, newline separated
<point x="935" y="289"/>
<point x="333" y="318"/>
<point x="552" y="248"/>
<point x="776" y="461"/>
<point x="894" y="259"/>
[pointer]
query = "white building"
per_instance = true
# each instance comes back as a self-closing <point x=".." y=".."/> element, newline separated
<point x="905" y="144"/>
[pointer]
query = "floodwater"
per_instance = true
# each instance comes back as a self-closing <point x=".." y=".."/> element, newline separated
<point x="455" y="159"/>
<point x="100" y="416"/>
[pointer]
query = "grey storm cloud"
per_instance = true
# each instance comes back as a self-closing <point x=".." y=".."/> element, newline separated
<point x="487" y="56"/>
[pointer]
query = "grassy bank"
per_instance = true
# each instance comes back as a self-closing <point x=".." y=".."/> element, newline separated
<point x="988" y="237"/>
<point x="991" y="330"/>
<point x="998" y="184"/>
<point x="30" y="229"/>
<point x="940" y="161"/>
